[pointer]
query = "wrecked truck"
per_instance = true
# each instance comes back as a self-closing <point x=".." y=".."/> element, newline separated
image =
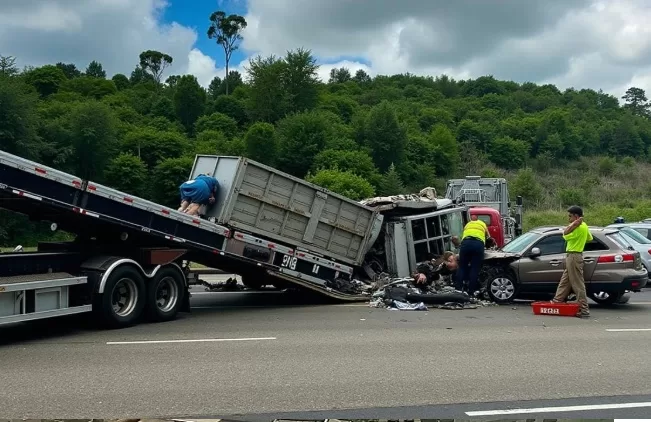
<point x="129" y="257"/>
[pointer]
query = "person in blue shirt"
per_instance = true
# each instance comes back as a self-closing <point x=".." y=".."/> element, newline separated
<point x="197" y="192"/>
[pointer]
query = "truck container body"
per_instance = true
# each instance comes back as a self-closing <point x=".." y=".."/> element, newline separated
<point x="259" y="199"/>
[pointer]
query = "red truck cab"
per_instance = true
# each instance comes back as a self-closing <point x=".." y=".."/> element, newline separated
<point x="493" y="220"/>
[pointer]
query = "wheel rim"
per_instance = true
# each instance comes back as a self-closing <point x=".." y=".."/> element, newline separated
<point x="502" y="288"/>
<point x="167" y="293"/>
<point x="124" y="297"/>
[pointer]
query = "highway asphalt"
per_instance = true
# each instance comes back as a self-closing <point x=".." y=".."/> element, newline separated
<point x="257" y="356"/>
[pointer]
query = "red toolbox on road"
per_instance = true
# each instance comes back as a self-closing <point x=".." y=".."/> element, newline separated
<point x="558" y="309"/>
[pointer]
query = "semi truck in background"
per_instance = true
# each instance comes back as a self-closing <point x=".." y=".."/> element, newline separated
<point x="488" y="199"/>
<point x="129" y="258"/>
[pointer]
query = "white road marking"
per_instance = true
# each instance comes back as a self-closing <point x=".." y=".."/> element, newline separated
<point x="626" y="330"/>
<point x="559" y="409"/>
<point x="199" y="340"/>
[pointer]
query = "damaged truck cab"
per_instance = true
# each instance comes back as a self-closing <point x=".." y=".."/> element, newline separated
<point x="415" y="229"/>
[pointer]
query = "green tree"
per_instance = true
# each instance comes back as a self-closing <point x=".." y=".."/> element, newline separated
<point x="268" y="101"/>
<point x="637" y="102"/>
<point x="231" y="107"/>
<point x="301" y="137"/>
<point x="509" y="153"/>
<point x="93" y="135"/>
<point x="90" y="87"/>
<point x="166" y="178"/>
<point x="300" y="80"/>
<point x="217" y="122"/>
<point x="339" y="76"/>
<point x="127" y="173"/>
<point x="69" y="69"/>
<point x="226" y="31"/>
<point x="526" y="185"/>
<point x="121" y="81"/>
<point x="8" y="66"/>
<point x="447" y="150"/>
<point x="153" y="146"/>
<point x="18" y="118"/>
<point x="154" y="62"/>
<point x="95" y="70"/>
<point x="46" y="79"/>
<point x="139" y="75"/>
<point x="354" y="161"/>
<point x="344" y="183"/>
<point x="384" y="135"/>
<point x="189" y="101"/>
<point x="261" y="143"/>
<point x="391" y="183"/>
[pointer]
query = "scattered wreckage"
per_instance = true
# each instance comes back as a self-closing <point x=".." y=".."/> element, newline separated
<point x="415" y="229"/>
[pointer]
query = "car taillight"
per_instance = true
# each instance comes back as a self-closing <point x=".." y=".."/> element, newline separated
<point x="627" y="257"/>
<point x="649" y="251"/>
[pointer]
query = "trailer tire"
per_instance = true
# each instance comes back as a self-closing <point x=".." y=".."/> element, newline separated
<point x="125" y="288"/>
<point x="165" y="294"/>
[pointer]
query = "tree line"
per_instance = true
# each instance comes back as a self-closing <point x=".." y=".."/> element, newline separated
<point x="354" y="134"/>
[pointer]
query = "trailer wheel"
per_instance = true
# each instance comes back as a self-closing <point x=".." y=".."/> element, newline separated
<point x="165" y="294"/>
<point x="123" y="299"/>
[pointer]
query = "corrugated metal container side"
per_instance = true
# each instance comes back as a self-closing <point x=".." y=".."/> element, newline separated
<point x="264" y="201"/>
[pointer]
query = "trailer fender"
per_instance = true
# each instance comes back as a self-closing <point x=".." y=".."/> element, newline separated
<point x="107" y="264"/>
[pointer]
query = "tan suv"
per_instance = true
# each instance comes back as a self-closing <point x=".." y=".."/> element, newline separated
<point x="534" y="262"/>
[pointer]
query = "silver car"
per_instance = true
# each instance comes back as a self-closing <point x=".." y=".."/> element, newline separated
<point x="638" y="235"/>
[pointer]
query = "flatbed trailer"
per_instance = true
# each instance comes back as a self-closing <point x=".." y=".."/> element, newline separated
<point x="127" y="259"/>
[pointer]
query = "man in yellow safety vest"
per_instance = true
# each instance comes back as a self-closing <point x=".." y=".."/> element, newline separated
<point x="471" y="254"/>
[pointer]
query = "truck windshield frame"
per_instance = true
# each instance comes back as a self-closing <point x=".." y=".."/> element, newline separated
<point x="431" y="233"/>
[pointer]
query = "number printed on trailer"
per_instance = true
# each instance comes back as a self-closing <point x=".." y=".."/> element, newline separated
<point x="289" y="262"/>
<point x="304" y="266"/>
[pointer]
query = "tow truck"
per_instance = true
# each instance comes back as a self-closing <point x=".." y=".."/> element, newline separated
<point x="130" y="256"/>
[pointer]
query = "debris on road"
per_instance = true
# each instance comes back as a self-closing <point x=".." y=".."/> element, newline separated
<point x="404" y="294"/>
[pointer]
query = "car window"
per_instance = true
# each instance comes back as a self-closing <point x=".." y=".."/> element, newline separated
<point x="520" y="243"/>
<point x="550" y="245"/>
<point x="620" y="241"/>
<point x="595" y="245"/>
<point x="636" y="235"/>
<point x="643" y="231"/>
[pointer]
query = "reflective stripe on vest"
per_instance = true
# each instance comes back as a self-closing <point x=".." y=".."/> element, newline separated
<point x="475" y="229"/>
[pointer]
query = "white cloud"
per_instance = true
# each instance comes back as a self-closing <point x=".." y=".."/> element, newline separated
<point x="113" y="32"/>
<point x="595" y="44"/>
<point x="581" y="43"/>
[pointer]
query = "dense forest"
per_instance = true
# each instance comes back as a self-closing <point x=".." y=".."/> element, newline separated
<point x="354" y="134"/>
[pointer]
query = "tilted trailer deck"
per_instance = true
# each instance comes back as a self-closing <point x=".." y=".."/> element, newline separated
<point x="127" y="257"/>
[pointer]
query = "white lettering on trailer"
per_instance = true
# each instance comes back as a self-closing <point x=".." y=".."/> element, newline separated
<point x="176" y="239"/>
<point x="289" y="262"/>
<point x="315" y="269"/>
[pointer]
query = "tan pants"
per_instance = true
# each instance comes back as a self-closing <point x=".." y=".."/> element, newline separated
<point x="572" y="280"/>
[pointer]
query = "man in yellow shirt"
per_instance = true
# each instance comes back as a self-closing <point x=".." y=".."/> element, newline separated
<point x="576" y="235"/>
<point x="471" y="254"/>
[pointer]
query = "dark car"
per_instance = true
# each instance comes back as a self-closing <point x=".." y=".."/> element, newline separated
<point x="534" y="262"/>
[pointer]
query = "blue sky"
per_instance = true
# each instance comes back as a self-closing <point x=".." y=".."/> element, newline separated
<point x="197" y="17"/>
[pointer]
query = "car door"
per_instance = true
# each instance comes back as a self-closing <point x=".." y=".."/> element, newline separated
<point x="543" y="272"/>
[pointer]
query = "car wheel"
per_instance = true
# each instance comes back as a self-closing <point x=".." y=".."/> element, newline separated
<point x="605" y="298"/>
<point x="501" y="286"/>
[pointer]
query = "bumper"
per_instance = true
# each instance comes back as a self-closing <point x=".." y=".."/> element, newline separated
<point x="633" y="283"/>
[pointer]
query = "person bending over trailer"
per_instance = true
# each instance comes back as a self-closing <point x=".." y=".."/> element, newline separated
<point x="197" y="192"/>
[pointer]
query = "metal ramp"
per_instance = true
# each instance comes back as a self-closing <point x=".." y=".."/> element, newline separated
<point x="38" y="296"/>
